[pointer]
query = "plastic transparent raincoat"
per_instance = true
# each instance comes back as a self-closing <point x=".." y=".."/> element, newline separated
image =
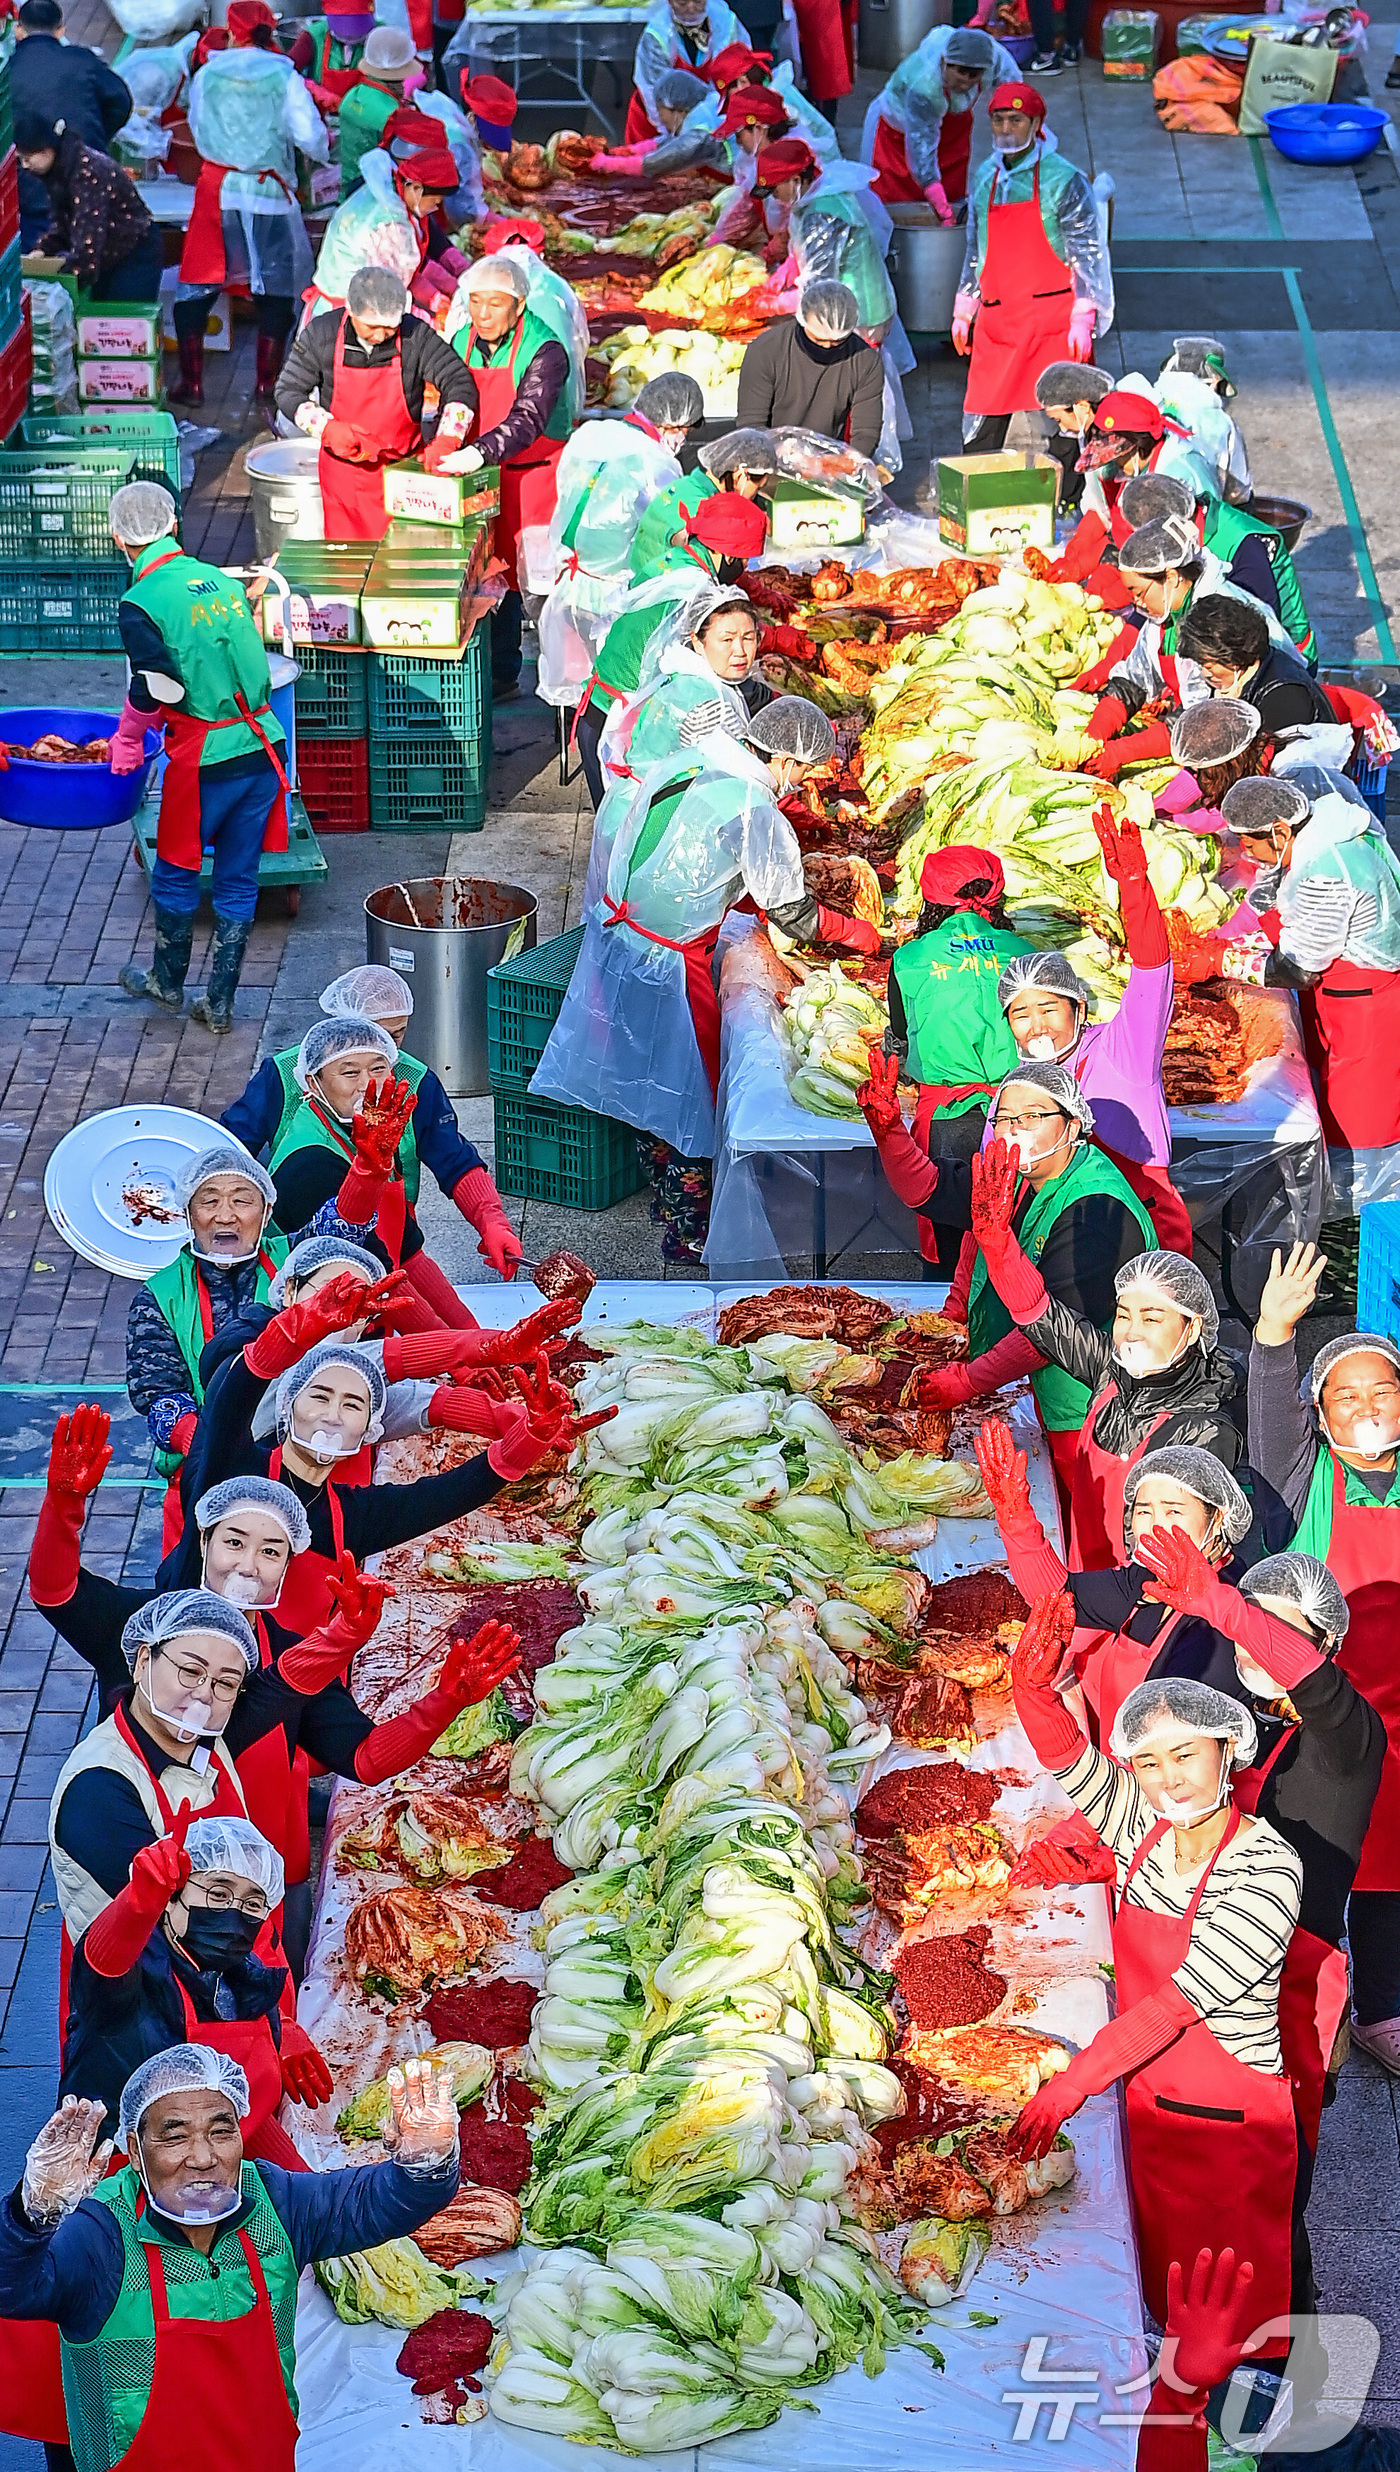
<point x="915" y="103"/>
<point x="1343" y="847"/>
<point x="250" y="110"/>
<point x="661" y="49"/>
<point x="1215" y="436"/>
<point x="608" y="475"/>
<point x="467" y="203"/>
<point x="574" y="621"/>
<point x="372" y="228"/>
<point x="678" y="693"/>
<point x="840" y="232"/>
<point x="624" y="1043"/>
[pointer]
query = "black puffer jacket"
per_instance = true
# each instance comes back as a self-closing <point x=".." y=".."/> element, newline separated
<point x="1193" y="1395"/>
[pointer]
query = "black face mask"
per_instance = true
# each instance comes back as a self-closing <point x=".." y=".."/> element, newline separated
<point x="824" y="353"/>
<point x="214" y="1941"/>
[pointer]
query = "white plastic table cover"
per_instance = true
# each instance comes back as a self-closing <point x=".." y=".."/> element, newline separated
<point x="549" y="55"/>
<point x="1063" y="2365"/>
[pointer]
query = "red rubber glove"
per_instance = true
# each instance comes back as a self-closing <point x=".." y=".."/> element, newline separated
<point x="348" y="444"/>
<point x="1109" y="716"/>
<point x="481" y="1206"/>
<point x="79" y="1456"/>
<point x="549" y="1423"/>
<point x="1005" y="1478"/>
<point x="1208" y="2322"/>
<point x="878" y="1098"/>
<point x="790" y="641"/>
<point x="1125" y="860"/>
<point x="1071" y="1855"/>
<point x="1035" y="1661"/>
<point x="1124" y="2043"/>
<point x="1034" y="2132"/>
<point x="857" y="935"/>
<point x="1182" y="1577"/>
<point x="474" y="1669"/>
<point x="299" y="1328"/>
<point x="462" y="1408"/>
<point x="1121" y="843"/>
<point x="380" y="1123"/>
<point x="1147" y="746"/>
<point x="955" y="1302"/>
<point x="182" y="1433"/>
<point x="996" y="1172"/>
<point x="945" y="1386"/>
<point x="355" y="1603"/>
<point x="952" y="1386"/>
<point x="305" y="2076"/>
<point x="436" y="449"/>
<point x="115" y="1938"/>
<point x="522" y="1343"/>
<point x="396" y="1308"/>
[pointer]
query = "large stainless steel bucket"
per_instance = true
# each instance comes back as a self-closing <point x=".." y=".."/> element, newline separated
<point x="286" y="492"/>
<point x="925" y="261"/>
<point x="891" y="29"/>
<point x="443" y="933"/>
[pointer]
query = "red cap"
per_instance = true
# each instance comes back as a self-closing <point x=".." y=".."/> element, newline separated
<point x="735" y="65"/>
<point x="790" y="157"/>
<point x="433" y="169"/>
<point x="506" y="228"/>
<point x="409" y="127"/>
<point x="492" y="98"/>
<point x="753" y="105"/>
<point x="246" y="16"/>
<point x="947" y="874"/>
<point x="1120" y="410"/>
<point x="733" y="527"/>
<point x="1018" y="99"/>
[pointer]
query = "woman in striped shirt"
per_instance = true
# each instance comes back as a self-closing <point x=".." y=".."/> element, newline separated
<point x="1206" y="1903"/>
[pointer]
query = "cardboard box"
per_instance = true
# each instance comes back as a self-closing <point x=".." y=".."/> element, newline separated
<point x="450" y="498"/>
<point x="325" y="580"/>
<point x="408" y="606"/>
<point x="119" y="381"/>
<point x="808" y="518"/>
<point x="993" y="503"/>
<point x="118" y="333"/>
<point x="438" y="546"/>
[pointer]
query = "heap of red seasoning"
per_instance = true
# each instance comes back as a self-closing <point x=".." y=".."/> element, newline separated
<point x="944" y="1981"/>
<point x="908" y="1802"/>
<point x="525" y="1881"/>
<point x="495" y="2153"/>
<point x="443" y="2355"/>
<point x="496" y="2015"/>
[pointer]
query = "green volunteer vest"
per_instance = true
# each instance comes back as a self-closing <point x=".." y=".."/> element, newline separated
<point x="1315" y="1528"/>
<point x="618" y="666"/>
<point x="665" y="515"/>
<point x="948" y="980"/>
<point x="1063" y="1403"/>
<point x="176" y="1291"/>
<point x="107" y="2382"/>
<point x="1226" y="527"/>
<point x="660" y="816"/>
<point x="407" y="1069"/>
<point x="205" y="620"/>
<point x="361" y="121"/>
<point x="516" y="350"/>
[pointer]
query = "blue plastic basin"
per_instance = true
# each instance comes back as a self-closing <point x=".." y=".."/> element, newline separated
<point x="1325" y="132"/>
<point x="68" y="797"/>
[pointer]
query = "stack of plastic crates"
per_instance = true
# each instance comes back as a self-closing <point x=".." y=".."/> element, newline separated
<point x="147" y="435"/>
<point x="320" y="622"/>
<point x="16" y="348"/>
<point x="543" y="1152"/>
<point x="430" y="737"/>
<point x="61" y="573"/>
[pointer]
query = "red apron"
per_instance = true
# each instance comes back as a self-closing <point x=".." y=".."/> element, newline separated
<point x="697" y="957"/>
<point x="229" y="1803"/>
<point x="335" y="81"/>
<point x="1350" y="1020"/>
<point x="248" y="2041"/>
<point x="1117" y="1668"/>
<point x="218" y="2378"/>
<point x="352" y="495"/>
<point x="1154" y="1189"/>
<point x="172" y="1518"/>
<point x="639" y="125"/>
<point x="824" y="39"/>
<point x="1096" y="1492"/>
<point x="1027" y="297"/>
<point x="203" y="260"/>
<point x="179" y="837"/>
<point x="1312" y="1996"/>
<point x="528" y="483"/>
<point x="896" y="183"/>
<point x="1210" y="2142"/>
<point x="1364" y="1559"/>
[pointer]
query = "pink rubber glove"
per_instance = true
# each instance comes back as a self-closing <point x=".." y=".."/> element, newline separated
<point x="129" y="738"/>
<point x="937" y="197"/>
<point x="454" y="262"/>
<point x="1081" y="331"/>
<point x="965" y="309"/>
<point x="627" y="163"/>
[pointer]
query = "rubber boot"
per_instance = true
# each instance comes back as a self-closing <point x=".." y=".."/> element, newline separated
<point x="214" y="1009"/>
<point x="165" y="979"/>
<point x="191" y="386"/>
<point x="270" y="353"/>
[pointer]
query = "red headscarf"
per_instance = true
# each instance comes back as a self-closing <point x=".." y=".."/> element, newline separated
<point x="736" y="65"/>
<point x="409" y="127"/>
<point x="492" y="99"/>
<point x="505" y="228"/>
<point x="753" y="105"/>
<point x="1018" y="99"/>
<point x="433" y="169"/>
<point x="1120" y="410"/>
<point x="790" y="158"/>
<point x="947" y="873"/>
<point x="246" y="18"/>
<point x="728" y="525"/>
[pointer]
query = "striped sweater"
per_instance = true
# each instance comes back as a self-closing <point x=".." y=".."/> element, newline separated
<point x="1246" y="1916"/>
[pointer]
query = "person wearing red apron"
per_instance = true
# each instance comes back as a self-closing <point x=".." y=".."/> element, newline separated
<point x="918" y="131"/>
<point x="354" y="381"/>
<point x="1035" y="275"/>
<point x="824" y="34"/>
<point x="1127" y="435"/>
<point x="329" y="51"/>
<point x="1207" y="1900"/>
<point x="151" y="2375"/>
<point x="523" y="422"/>
<point x="199" y="671"/>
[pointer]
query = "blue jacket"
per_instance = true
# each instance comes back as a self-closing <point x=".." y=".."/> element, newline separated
<point x="254" y="1119"/>
<point x="71" y="2273"/>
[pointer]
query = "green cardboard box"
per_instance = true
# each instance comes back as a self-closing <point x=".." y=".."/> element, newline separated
<point x="993" y="503"/>
<point x="808" y="518"/>
<point x="410" y="606"/>
<point x="325" y="580"/>
<point x="443" y="498"/>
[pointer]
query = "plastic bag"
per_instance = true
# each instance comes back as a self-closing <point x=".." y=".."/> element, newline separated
<point x="158" y="21"/>
<point x="1131" y="40"/>
<point x="1280" y="73"/>
<point x="1199" y="95"/>
<point x="807" y="456"/>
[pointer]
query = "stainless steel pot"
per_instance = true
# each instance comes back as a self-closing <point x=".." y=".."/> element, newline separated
<point x="925" y="261"/>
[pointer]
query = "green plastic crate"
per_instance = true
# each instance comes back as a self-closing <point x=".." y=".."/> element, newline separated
<point x="11" y="290"/>
<point x="62" y="609"/>
<point x="522" y="1005"/>
<point x="54" y="502"/>
<point x="563" y="1154"/>
<point x="147" y="435"/>
<point x="433" y="692"/>
<point x="332" y="693"/>
<point x="424" y="784"/>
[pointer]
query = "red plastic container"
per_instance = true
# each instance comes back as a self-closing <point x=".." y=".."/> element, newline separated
<point x="333" y="778"/>
<point x="16" y="369"/>
<point x="9" y="198"/>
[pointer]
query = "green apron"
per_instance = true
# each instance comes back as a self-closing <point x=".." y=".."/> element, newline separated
<point x="1063" y="1403"/>
<point x="518" y="346"/>
<point x="361" y="121"/>
<point x="957" y="1029"/>
<point x="179" y="1292"/>
<point x="1315" y="1528"/>
<point x="407" y="1069"/>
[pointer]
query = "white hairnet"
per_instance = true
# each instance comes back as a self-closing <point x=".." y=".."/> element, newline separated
<point x="1301" y="1580"/>
<point x="230" y="1844"/>
<point x="1055" y="1081"/>
<point x="345" y="1034"/>
<point x="188" y="2068"/>
<point x="790" y="725"/>
<point x="1176" y="1705"/>
<point x="376" y="292"/>
<point x="1178" y="1283"/>
<point x="1148" y="496"/>
<point x="831" y="306"/>
<point x="333" y="1352"/>
<point x="968" y="47"/>
<point x="1049" y="971"/>
<point x="1069" y="382"/>
<point x="1215" y="732"/>
<point x="181" y="1612"/>
<point x="141" y="513"/>
<point x="679" y="90"/>
<point x="671" y="400"/>
<point x="1199" y="356"/>
<point x="739" y="450"/>
<point x="1351" y="1343"/>
<point x="1198" y="1473"/>
<point x="224" y="1159"/>
<point x="1261" y="804"/>
<point x="371" y="992"/>
<point x="1170" y="541"/>
<point x="311" y="1255"/>
<point x="254" y="1493"/>
<point x="498" y="273"/>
